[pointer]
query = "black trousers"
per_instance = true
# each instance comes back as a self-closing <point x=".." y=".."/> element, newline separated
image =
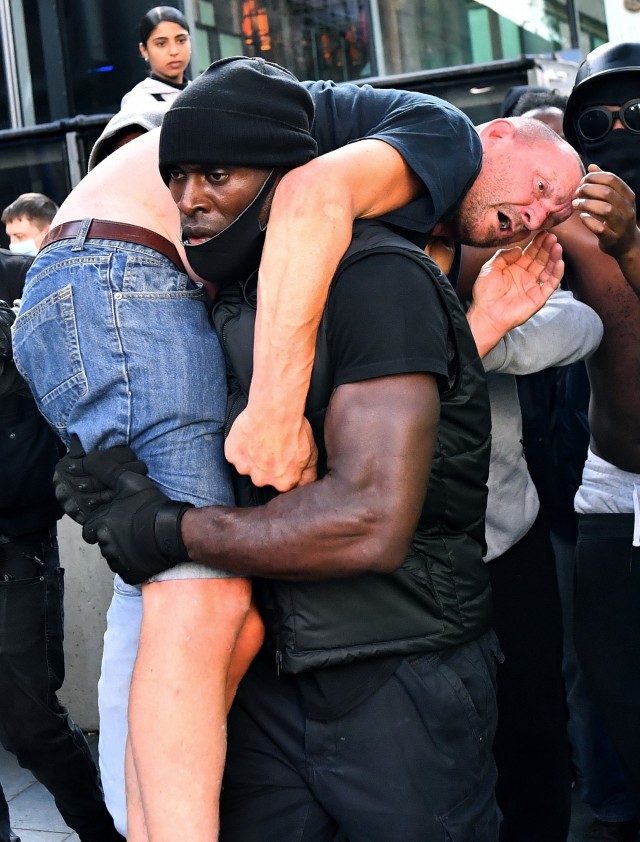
<point x="607" y="629"/>
<point x="412" y="762"/>
<point x="531" y="746"/>
<point x="33" y="724"/>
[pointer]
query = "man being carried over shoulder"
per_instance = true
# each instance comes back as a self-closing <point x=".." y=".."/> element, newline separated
<point x="320" y="531"/>
<point x="367" y="178"/>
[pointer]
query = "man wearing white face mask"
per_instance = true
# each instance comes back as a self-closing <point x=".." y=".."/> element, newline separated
<point x="27" y="220"/>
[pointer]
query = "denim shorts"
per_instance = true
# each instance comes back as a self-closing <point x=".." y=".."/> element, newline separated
<point x="116" y="346"/>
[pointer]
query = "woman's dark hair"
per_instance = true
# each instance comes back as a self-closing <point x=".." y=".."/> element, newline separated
<point x="157" y="15"/>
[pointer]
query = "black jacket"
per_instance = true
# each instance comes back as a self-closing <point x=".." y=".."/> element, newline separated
<point x="440" y="597"/>
<point x="29" y="449"/>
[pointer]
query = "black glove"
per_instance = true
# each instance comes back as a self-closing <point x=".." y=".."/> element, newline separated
<point x="7" y="318"/>
<point x="139" y="530"/>
<point x="77" y="490"/>
<point x="135" y="524"/>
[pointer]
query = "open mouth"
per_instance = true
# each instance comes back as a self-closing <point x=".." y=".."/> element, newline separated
<point x="194" y="238"/>
<point x="504" y="223"/>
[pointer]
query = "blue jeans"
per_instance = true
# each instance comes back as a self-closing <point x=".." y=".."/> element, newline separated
<point x="33" y="724"/>
<point x="116" y="346"/>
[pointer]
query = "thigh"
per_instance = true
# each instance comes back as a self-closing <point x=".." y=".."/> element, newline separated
<point x="177" y="381"/>
<point x="116" y="346"/>
<point x="429" y="772"/>
<point x="31" y="632"/>
<point x="265" y="794"/>
<point x="528" y="621"/>
<point x="607" y="603"/>
<point x="607" y="626"/>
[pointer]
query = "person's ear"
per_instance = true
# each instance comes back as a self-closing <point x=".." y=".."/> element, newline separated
<point x="143" y="51"/>
<point x="497" y="131"/>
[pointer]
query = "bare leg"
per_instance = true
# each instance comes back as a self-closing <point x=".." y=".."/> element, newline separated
<point x="136" y="824"/>
<point x="177" y="705"/>
<point x="249" y="642"/>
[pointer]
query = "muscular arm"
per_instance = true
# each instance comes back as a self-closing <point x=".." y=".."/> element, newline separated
<point x="309" y="230"/>
<point x="380" y="435"/>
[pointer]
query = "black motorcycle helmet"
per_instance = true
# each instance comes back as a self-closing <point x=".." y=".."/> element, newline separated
<point x="621" y="60"/>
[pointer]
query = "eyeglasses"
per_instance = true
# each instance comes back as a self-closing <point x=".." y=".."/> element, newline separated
<point x="595" y="123"/>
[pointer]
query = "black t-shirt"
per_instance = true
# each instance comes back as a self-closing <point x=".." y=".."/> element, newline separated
<point x="436" y="139"/>
<point x="384" y="317"/>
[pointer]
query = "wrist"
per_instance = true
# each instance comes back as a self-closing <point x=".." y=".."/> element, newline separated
<point x="485" y="333"/>
<point x="630" y="257"/>
<point x="286" y="407"/>
<point x="168" y="532"/>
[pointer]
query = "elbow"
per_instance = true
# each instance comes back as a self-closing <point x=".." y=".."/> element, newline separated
<point x="383" y="545"/>
<point x="317" y="186"/>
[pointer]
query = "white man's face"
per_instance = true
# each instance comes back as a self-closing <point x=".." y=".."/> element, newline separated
<point x="24" y="229"/>
<point x="521" y="188"/>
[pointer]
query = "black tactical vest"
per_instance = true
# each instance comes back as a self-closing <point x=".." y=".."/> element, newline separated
<point x="440" y="597"/>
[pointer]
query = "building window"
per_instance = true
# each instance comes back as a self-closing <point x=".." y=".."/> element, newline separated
<point x="315" y="39"/>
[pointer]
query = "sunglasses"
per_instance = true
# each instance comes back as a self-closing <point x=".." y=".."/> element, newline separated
<point x="595" y="123"/>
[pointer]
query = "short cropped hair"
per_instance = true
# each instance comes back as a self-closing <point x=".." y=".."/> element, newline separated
<point x="539" y="99"/>
<point x="35" y="206"/>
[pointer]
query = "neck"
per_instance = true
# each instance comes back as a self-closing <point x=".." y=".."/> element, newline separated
<point x="175" y="82"/>
<point x="442" y="229"/>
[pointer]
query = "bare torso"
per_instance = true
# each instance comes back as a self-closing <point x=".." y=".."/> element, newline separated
<point x="614" y="369"/>
<point x="126" y="187"/>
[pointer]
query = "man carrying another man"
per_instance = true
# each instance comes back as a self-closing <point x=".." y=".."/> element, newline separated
<point x="208" y="197"/>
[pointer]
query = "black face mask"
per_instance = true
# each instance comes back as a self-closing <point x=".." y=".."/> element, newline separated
<point x="233" y="254"/>
<point x="618" y="152"/>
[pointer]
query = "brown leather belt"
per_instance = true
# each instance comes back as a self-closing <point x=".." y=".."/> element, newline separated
<point x="105" y="230"/>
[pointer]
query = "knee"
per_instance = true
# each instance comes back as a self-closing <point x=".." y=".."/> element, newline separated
<point x="21" y="735"/>
<point x="25" y="714"/>
<point x="178" y="599"/>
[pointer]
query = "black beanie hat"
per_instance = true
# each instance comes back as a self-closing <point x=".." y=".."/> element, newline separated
<point x="244" y="112"/>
